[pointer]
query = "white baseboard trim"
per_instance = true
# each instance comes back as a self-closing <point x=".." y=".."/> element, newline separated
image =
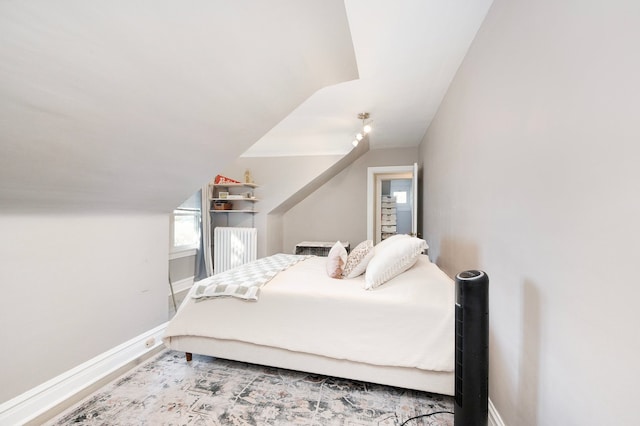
<point x="494" y="417"/>
<point x="182" y="285"/>
<point x="51" y="394"/>
<point x="47" y="396"/>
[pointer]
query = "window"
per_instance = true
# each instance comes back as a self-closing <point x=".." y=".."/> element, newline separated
<point x="401" y="197"/>
<point x="186" y="228"/>
<point x="185" y="225"/>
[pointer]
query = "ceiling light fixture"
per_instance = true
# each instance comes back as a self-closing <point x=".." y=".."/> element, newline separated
<point x="366" y="128"/>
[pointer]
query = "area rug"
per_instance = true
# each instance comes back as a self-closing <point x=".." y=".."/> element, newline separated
<point x="166" y="390"/>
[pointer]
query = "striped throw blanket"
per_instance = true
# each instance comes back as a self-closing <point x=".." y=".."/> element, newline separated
<point x="244" y="282"/>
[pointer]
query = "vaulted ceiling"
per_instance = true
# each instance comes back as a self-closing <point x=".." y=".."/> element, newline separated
<point x="112" y="105"/>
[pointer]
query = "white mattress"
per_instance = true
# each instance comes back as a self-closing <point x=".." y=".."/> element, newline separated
<point x="406" y="322"/>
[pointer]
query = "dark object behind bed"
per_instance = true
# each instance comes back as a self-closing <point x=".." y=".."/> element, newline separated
<point x="472" y="349"/>
<point x="318" y="248"/>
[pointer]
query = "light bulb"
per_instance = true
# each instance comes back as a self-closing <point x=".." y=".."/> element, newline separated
<point x="354" y="143"/>
<point x="359" y="136"/>
<point x="366" y="128"/>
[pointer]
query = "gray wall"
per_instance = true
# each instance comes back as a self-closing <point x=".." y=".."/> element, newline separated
<point x="279" y="178"/>
<point x="338" y="210"/>
<point x="531" y="173"/>
<point x="182" y="268"/>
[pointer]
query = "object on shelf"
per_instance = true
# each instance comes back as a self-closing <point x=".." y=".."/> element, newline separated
<point x="223" y="179"/>
<point x="222" y="206"/>
<point x="247" y="177"/>
<point x="388" y="219"/>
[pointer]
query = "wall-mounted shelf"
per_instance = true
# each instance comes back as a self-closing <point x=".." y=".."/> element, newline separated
<point x="237" y="194"/>
<point x="234" y="199"/>
<point x="233" y="211"/>
<point x="234" y="185"/>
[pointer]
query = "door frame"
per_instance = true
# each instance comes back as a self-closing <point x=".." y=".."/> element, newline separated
<point x="374" y="174"/>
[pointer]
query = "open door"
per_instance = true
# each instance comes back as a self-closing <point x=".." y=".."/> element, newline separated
<point x="392" y="206"/>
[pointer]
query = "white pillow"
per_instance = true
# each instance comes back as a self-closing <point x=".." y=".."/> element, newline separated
<point x="393" y="259"/>
<point x="358" y="259"/>
<point x="336" y="259"/>
<point x="382" y="244"/>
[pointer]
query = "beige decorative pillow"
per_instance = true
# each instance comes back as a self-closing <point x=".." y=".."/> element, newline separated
<point x="358" y="259"/>
<point x="336" y="259"/>
<point x="393" y="259"/>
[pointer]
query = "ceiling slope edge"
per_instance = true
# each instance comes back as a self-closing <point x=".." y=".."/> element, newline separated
<point x="283" y="182"/>
<point x="132" y="109"/>
<point x="324" y="177"/>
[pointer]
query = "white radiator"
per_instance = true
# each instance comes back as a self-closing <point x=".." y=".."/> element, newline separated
<point x="233" y="247"/>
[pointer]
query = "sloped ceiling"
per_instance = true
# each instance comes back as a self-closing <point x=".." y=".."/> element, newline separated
<point x="112" y="105"/>
<point x="408" y="52"/>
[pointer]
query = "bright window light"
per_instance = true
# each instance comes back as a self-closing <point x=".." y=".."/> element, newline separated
<point x="186" y="229"/>
<point x="184" y="226"/>
<point x="401" y="197"/>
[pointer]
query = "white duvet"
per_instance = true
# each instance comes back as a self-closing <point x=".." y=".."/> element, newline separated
<point x="406" y="322"/>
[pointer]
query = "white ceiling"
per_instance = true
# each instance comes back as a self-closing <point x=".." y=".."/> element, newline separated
<point x="130" y="104"/>
<point x="407" y="53"/>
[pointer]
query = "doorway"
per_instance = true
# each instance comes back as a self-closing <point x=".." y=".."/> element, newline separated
<point x="392" y="201"/>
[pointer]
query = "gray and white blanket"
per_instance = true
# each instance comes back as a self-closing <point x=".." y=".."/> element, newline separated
<point x="245" y="281"/>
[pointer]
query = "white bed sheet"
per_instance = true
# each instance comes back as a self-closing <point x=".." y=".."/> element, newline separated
<point x="406" y="322"/>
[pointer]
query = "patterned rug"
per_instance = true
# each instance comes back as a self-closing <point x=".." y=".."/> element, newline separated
<point x="166" y="390"/>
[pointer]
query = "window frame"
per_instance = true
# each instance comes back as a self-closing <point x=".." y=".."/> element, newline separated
<point x="187" y="249"/>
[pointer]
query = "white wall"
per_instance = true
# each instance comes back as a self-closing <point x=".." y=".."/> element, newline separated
<point x="531" y="173"/>
<point x="74" y="286"/>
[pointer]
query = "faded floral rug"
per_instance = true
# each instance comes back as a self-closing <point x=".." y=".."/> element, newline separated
<point x="166" y="390"/>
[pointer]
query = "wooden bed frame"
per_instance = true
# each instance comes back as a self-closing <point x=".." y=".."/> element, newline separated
<point x="410" y="378"/>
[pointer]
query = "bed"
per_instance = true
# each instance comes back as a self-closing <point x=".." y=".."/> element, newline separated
<point x="399" y="332"/>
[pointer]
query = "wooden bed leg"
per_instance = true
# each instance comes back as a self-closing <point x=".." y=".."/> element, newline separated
<point x="189" y="356"/>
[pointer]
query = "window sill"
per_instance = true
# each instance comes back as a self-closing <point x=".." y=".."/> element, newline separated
<point x="182" y="253"/>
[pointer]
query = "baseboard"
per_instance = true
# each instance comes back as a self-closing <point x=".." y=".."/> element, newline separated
<point x="182" y="285"/>
<point x="494" y="417"/>
<point x="55" y="395"/>
<point x="52" y="397"/>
